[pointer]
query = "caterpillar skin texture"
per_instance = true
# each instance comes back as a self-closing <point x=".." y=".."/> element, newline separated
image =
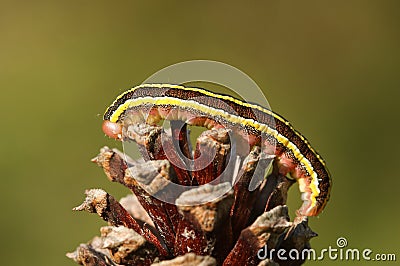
<point x="255" y="124"/>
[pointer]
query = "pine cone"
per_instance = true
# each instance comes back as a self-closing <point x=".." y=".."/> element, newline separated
<point x="232" y="229"/>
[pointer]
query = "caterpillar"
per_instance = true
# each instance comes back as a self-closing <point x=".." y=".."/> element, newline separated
<point x="257" y="125"/>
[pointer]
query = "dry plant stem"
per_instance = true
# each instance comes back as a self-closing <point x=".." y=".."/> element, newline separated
<point x="266" y="230"/>
<point x="100" y="202"/>
<point x="245" y="199"/>
<point x="182" y="145"/>
<point x="159" y="211"/>
<point x="132" y="205"/>
<point x="153" y="142"/>
<point x="154" y="207"/>
<point x="212" y="149"/>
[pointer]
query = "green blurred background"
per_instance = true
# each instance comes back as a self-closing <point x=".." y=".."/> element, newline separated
<point x="331" y="68"/>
